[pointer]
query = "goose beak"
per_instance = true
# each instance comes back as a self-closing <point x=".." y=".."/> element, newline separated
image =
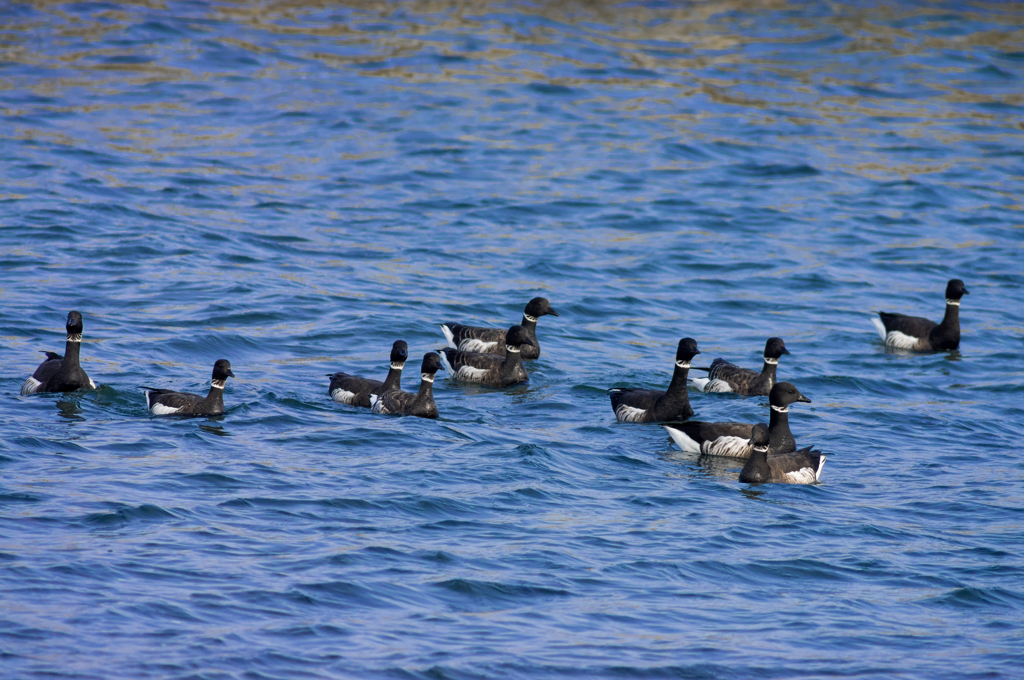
<point x="552" y="311"/>
<point x="230" y="373"/>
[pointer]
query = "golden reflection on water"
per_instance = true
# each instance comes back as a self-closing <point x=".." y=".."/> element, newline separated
<point x="761" y="63"/>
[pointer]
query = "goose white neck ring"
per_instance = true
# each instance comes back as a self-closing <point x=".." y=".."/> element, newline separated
<point x="531" y="319"/>
<point x="955" y="303"/>
<point x="398" y="364"/>
<point x="427" y="377"/>
<point x="218" y="384"/>
<point x="510" y="348"/>
<point x="770" y="361"/>
<point x="780" y="409"/>
<point x="683" y="364"/>
<point x="74" y="337"/>
<point x="761" y="449"/>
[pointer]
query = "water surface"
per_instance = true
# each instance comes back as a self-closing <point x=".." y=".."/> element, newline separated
<point x="294" y="185"/>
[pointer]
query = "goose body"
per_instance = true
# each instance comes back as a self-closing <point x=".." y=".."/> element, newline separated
<point x="799" y="467"/>
<point x="733" y="439"/>
<point x="923" y="335"/>
<point x="356" y="391"/>
<point x="490" y="369"/>
<point x="420" y="404"/>
<point x="727" y="377"/>
<point x="493" y="340"/>
<point x="636" y="405"/>
<point x="62" y="373"/>
<point x="170" y="403"/>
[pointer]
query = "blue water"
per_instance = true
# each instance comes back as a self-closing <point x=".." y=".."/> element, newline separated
<point x="294" y="185"/>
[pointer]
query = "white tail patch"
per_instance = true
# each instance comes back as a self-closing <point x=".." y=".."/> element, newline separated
<point x="682" y="440"/>
<point x="447" y="364"/>
<point x="377" y="406"/>
<point x="630" y="414"/>
<point x="900" y="340"/>
<point x="733" y="447"/>
<point x="449" y="336"/>
<point x="474" y="345"/>
<point x="344" y="396"/>
<point x="879" y="326"/>
<point x="30" y="386"/>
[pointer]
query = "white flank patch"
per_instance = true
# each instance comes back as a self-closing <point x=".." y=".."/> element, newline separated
<point x="344" y="396"/>
<point x="30" y="386"/>
<point x="474" y="345"/>
<point x="92" y="384"/>
<point x="683" y="364"/>
<point x="448" y="334"/>
<point x="879" y="326"/>
<point x="531" y="319"/>
<point x="682" y="440"/>
<point x="770" y="361"/>
<point x="717" y="386"/>
<point x="470" y="374"/>
<point x="161" y="410"/>
<point x="900" y="340"/>
<point x="802" y="476"/>
<point x="821" y="466"/>
<point x="699" y="383"/>
<point x="733" y="447"/>
<point x="629" y="414"/>
<point x="426" y="377"/>
<point x="510" y="348"/>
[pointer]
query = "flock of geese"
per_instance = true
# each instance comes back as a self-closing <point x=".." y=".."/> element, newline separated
<point x="494" y="357"/>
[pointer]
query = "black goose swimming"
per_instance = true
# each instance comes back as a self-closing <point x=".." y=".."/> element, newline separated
<point x="62" y="374"/>
<point x="800" y="467"/>
<point x="356" y="391"/>
<point x="732" y="439"/>
<point x="635" y="405"/>
<point x="420" y="404"/>
<point x="490" y="369"/>
<point x="727" y="377"/>
<point x="171" y="403"/>
<point x="922" y="335"/>
<point x="492" y="340"/>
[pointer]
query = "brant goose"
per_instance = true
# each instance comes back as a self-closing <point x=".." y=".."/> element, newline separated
<point x="171" y="403"/>
<point x="921" y="335"/>
<point x="492" y="340"/>
<point x="800" y="467"/>
<point x="634" y="405"/>
<point x="420" y="404"/>
<point x="732" y="439"/>
<point x="490" y="369"/>
<point x="356" y="391"/>
<point x="62" y="374"/>
<point x="726" y="377"/>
